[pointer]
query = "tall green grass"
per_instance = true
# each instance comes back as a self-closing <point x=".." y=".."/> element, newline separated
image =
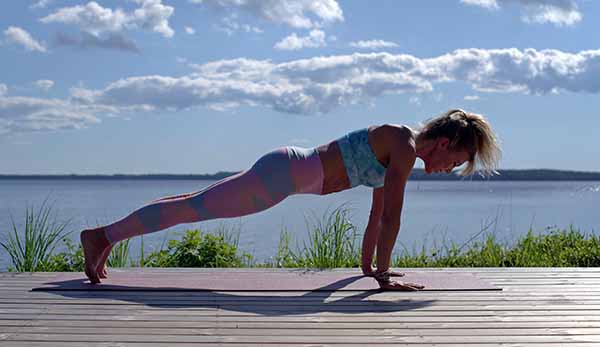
<point x="332" y="242"/>
<point x="33" y="251"/>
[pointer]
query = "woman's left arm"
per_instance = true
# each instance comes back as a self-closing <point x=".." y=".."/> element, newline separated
<point x="372" y="231"/>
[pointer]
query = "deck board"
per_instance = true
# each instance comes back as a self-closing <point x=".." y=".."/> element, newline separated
<point x="537" y="307"/>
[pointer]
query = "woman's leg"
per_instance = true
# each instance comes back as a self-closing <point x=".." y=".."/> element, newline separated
<point x="275" y="176"/>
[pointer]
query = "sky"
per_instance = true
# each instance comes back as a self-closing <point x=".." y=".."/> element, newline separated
<point x="201" y="86"/>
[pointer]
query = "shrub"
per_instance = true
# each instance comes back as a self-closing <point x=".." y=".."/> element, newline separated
<point x="198" y="250"/>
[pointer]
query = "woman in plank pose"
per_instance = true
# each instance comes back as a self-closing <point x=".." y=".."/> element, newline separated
<point x="380" y="157"/>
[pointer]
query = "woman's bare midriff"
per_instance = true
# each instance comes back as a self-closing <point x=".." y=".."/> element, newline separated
<point x="334" y="172"/>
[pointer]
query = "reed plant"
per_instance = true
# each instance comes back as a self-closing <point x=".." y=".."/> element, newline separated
<point x="119" y="255"/>
<point x="331" y="243"/>
<point x="33" y="250"/>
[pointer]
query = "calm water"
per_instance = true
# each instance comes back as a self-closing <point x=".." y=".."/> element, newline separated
<point x="433" y="211"/>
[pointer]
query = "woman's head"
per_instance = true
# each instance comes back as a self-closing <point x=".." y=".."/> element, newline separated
<point x="458" y="136"/>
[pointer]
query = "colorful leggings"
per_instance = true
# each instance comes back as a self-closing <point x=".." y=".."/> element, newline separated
<point x="276" y="175"/>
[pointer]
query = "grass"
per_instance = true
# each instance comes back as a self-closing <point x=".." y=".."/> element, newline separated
<point x="332" y="243"/>
<point x="33" y="252"/>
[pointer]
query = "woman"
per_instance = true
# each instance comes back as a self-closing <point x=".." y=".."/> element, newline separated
<point x="380" y="157"/>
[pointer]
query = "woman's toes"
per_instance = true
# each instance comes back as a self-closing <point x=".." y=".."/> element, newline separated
<point x="93" y="276"/>
<point x="92" y="241"/>
<point x="101" y="269"/>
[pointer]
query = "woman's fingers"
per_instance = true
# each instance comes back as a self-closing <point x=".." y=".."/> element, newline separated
<point x="415" y="285"/>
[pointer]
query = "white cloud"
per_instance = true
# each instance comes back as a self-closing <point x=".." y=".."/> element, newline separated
<point x="309" y="86"/>
<point x="3" y="89"/>
<point x="322" y="84"/>
<point x="489" y="4"/>
<point x="95" y="19"/>
<point x="415" y="100"/>
<point x="552" y="14"/>
<point x="316" y="38"/>
<point x="153" y="15"/>
<point x="20" y="114"/>
<point x="303" y="14"/>
<point x="44" y="85"/>
<point x="40" y="4"/>
<point x="557" y="12"/>
<point x="372" y="44"/>
<point x="91" y="18"/>
<point x="25" y="114"/>
<point x="471" y="97"/>
<point x="23" y="38"/>
<point x="230" y="25"/>
<point x="86" y="40"/>
<point x="190" y="30"/>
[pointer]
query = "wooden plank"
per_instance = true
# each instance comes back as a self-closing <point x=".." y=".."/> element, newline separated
<point x="297" y="331"/>
<point x="300" y="307"/>
<point x="312" y="318"/>
<point x="26" y="278"/>
<point x="575" y="271"/>
<point x="151" y="344"/>
<point x="253" y="312"/>
<point x="270" y="301"/>
<point x="131" y="297"/>
<point x="233" y="316"/>
<point x="541" y="306"/>
<point x="256" y="324"/>
<point x="303" y="339"/>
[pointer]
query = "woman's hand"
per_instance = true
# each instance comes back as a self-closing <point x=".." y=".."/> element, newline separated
<point x="383" y="278"/>
<point x="393" y="285"/>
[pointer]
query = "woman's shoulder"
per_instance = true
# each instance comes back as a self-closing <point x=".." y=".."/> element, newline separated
<point x="388" y="138"/>
<point x="395" y="133"/>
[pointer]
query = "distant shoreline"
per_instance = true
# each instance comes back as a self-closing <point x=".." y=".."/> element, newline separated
<point x="416" y="175"/>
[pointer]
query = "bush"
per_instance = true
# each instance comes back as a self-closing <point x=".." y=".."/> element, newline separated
<point x="72" y="260"/>
<point x="198" y="250"/>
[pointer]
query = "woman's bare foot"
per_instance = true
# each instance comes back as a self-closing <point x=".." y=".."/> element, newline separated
<point x="94" y="244"/>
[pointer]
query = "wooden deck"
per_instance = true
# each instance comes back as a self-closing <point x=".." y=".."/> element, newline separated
<point x="537" y="307"/>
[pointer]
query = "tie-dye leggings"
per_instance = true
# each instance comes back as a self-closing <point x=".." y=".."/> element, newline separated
<point x="276" y="175"/>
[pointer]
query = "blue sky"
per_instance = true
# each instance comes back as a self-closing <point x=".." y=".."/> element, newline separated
<point x="151" y="86"/>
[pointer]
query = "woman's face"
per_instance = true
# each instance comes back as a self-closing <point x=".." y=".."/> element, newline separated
<point x="441" y="159"/>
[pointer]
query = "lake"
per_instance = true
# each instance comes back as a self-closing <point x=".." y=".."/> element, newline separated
<point x="434" y="211"/>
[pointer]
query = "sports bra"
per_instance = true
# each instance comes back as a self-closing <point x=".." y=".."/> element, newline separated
<point x="362" y="166"/>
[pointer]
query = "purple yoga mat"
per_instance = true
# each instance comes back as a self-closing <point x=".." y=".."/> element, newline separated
<point x="259" y="281"/>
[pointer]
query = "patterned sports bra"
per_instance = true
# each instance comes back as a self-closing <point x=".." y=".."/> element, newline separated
<point x="362" y="166"/>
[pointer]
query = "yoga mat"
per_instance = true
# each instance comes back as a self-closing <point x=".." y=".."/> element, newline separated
<point x="259" y="281"/>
